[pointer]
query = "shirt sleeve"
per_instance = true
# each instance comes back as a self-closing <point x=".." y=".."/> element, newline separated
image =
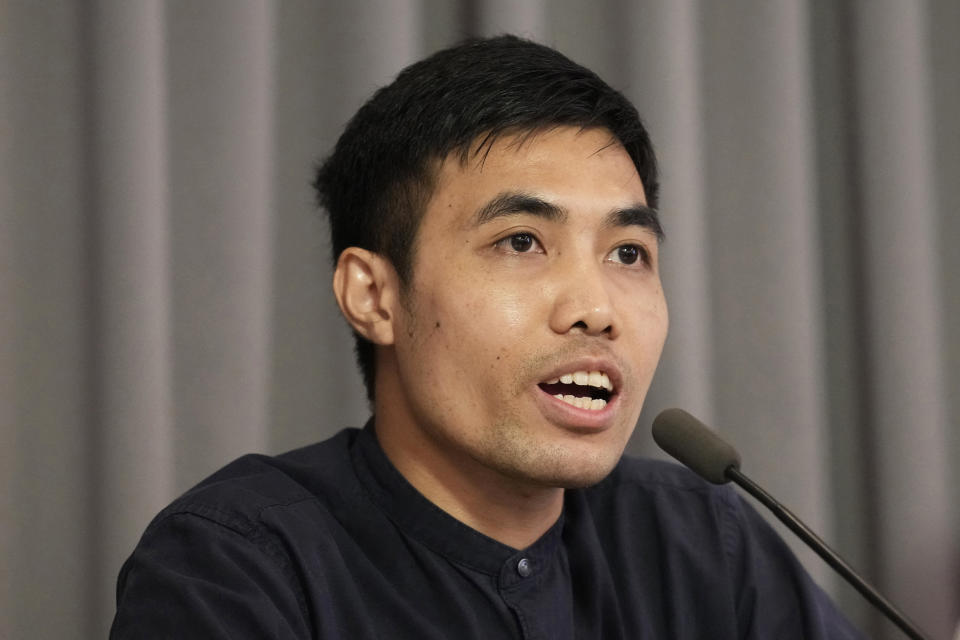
<point x="777" y="598"/>
<point x="201" y="574"/>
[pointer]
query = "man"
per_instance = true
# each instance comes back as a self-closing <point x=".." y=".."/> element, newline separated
<point x="494" y="223"/>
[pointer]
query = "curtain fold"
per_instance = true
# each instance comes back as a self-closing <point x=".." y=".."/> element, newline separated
<point x="908" y="409"/>
<point x="221" y="172"/>
<point x="662" y="68"/>
<point x="763" y="250"/>
<point x="46" y="522"/>
<point x="165" y="277"/>
<point x="128" y="216"/>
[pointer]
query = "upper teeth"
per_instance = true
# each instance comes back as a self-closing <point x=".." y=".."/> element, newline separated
<point x="585" y="378"/>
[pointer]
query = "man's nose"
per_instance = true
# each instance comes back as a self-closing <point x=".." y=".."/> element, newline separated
<point x="584" y="302"/>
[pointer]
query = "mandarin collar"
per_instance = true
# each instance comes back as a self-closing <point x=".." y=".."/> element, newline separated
<point x="427" y="523"/>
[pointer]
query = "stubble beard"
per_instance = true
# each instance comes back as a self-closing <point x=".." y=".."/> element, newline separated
<point x="515" y="447"/>
<point x="513" y="451"/>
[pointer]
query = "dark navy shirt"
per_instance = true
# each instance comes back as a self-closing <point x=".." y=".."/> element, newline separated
<point x="330" y="541"/>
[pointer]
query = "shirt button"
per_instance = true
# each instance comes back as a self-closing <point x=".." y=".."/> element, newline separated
<point x="524" y="568"/>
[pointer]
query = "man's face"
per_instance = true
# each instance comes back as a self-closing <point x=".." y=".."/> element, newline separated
<point x="535" y="263"/>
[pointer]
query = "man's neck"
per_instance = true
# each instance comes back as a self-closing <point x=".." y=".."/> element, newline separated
<point x="506" y="509"/>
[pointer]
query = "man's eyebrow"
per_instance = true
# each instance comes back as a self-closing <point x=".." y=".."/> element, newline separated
<point x="513" y="203"/>
<point x="637" y="215"/>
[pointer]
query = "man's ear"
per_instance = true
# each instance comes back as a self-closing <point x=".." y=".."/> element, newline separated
<point x="366" y="287"/>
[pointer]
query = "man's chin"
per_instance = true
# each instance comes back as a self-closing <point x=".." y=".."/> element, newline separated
<point x="584" y="480"/>
<point x="551" y="462"/>
<point x="557" y="475"/>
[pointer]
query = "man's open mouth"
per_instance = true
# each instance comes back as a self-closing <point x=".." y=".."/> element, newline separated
<point x="582" y="389"/>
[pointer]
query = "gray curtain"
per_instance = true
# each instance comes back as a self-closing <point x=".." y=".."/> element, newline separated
<point x="164" y="275"/>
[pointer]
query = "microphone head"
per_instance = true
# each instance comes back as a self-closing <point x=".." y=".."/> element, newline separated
<point x="695" y="445"/>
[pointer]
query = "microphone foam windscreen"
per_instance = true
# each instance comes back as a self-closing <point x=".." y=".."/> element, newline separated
<point x="695" y="445"/>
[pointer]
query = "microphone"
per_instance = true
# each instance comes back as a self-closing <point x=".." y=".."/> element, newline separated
<point x="709" y="456"/>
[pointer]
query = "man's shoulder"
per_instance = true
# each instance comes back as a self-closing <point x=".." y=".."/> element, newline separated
<point x="640" y="487"/>
<point x="652" y="475"/>
<point x="241" y="491"/>
<point x="231" y="544"/>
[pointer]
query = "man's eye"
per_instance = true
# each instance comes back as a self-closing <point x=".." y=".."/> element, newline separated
<point x="519" y="243"/>
<point x="629" y="254"/>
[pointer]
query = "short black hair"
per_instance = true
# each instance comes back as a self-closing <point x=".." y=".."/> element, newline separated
<point x="376" y="184"/>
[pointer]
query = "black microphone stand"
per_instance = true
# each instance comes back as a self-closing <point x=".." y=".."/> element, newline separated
<point x="825" y="552"/>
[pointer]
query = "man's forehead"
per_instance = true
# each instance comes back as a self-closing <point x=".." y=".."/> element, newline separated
<point x="517" y="140"/>
<point x="502" y="149"/>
